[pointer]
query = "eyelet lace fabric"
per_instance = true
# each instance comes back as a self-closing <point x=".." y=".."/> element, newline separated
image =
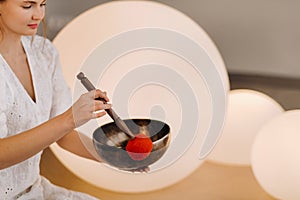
<point x="18" y="113"/>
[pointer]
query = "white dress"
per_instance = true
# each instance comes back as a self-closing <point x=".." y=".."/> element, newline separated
<point x="18" y="112"/>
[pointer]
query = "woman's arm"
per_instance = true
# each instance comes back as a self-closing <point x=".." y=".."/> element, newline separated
<point x="17" y="148"/>
<point x="78" y="144"/>
<point x="20" y="147"/>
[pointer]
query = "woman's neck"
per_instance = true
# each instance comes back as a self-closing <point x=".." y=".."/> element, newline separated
<point x="11" y="46"/>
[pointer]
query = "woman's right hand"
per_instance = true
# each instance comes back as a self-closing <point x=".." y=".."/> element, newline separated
<point x="87" y="108"/>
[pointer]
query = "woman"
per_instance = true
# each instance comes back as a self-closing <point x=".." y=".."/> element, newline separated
<point x="35" y="104"/>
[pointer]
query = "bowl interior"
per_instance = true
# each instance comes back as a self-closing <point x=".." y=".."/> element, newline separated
<point x="116" y="155"/>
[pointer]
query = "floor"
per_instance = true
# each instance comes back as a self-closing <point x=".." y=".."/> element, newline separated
<point x="210" y="181"/>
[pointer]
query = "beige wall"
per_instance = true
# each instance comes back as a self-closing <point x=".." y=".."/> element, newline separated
<point x="253" y="36"/>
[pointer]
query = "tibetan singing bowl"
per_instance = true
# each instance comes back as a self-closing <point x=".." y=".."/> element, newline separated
<point x="115" y="154"/>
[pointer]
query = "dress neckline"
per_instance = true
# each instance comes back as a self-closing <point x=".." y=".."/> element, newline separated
<point x="26" y="47"/>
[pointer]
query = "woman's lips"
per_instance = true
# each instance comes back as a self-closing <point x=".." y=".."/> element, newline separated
<point x="33" y="26"/>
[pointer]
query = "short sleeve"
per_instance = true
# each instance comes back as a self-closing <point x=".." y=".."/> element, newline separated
<point x="61" y="94"/>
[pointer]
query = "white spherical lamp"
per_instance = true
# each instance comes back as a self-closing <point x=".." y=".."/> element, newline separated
<point x="147" y="75"/>
<point x="247" y="111"/>
<point x="276" y="156"/>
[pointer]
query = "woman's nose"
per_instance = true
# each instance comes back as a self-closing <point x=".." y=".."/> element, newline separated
<point x="38" y="13"/>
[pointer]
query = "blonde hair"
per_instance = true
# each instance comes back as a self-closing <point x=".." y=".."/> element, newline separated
<point x="44" y="27"/>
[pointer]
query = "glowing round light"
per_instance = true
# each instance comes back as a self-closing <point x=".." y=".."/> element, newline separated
<point x="108" y="24"/>
<point x="276" y="156"/>
<point x="247" y="111"/>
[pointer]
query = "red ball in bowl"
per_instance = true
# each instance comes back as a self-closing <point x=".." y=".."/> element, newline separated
<point x="140" y="147"/>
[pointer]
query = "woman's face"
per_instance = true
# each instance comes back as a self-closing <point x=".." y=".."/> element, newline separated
<point x="21" y="17"/>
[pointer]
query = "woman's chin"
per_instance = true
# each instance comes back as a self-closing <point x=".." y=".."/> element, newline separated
<point x="30" y="33"/>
